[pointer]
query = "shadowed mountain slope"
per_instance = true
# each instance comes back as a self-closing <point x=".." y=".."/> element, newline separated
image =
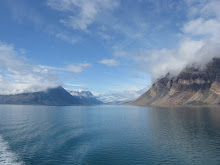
<point x="192" y="86"/>
<point x="53" y="96"/>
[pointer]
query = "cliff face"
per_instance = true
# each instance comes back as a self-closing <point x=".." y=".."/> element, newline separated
<point x="191" y="87"/>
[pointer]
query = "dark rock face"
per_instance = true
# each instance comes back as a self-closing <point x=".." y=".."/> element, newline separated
<point x="54" y="96"/>
<point x="192" y="86"/>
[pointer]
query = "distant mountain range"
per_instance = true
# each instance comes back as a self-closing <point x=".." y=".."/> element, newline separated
<point x="54" y="96"/>
<point x="86" y="97"/>
<point x="192" y="86"/>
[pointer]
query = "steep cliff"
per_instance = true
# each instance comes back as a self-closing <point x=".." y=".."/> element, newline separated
<point x="193" y="86"/>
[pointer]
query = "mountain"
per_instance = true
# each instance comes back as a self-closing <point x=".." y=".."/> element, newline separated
<point x="54" y="96"/>
<point x="85" y="97"/>
<point x="193" y="86"/>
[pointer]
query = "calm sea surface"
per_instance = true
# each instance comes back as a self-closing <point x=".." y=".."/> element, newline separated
<point x="114" y="135"/>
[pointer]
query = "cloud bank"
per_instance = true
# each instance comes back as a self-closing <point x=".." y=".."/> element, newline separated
<point x="199" y="42"/>
<point x="123" y="95"/>
<point x="17" y="75"/>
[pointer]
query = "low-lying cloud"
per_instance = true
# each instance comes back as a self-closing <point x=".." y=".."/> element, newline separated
<point x="161" y="62"/>
<point x="17" y="75"/>
<point x="123" y="95"/>
<point x="199" y="43"/>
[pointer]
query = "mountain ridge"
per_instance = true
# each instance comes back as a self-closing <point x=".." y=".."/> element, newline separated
<point x="191" y="87"/>
<point x="52" y="96"/>
<point x="86" y="97"/>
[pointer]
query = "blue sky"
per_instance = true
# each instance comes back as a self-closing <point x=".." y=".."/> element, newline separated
<point x="105" y="46"/>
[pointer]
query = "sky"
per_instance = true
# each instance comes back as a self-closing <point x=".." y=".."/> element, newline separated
<point x="114" y="48"/>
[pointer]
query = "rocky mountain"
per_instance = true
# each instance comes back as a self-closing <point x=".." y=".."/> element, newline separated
<point x="85" y="97"/>
<point x="54" y="96"/>
<point x="193" y="86"/>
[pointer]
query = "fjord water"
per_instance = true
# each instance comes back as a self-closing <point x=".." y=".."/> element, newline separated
<point x="108" y="135"/>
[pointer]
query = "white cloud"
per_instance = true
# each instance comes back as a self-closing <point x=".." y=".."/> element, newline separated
<point x="9" y="87"/>
<point x="74" y="85"/>
<point x="23" y="13"/>
<point x="112" y="20"/>
<point x="67" y="38"/>
<point x="160" y="62"/>
<point x="17" y="75"/>
<point x="104" y="35"/>
<point x="83" y="13"/>
<point x="123" y="95"/>
<point x="77" y="68"/>
<point x="199" y="43"/>
<point x="203" y="8"/>
<point x="202" y="27"/>
<point x="110" y="62"/>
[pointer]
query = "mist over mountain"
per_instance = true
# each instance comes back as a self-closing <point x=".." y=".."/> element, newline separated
<point x="193" y="86"/>
<point x="52" y="96"/>
<point x="85" y="97"/>
<point x="121" y="96"/>
<point x="198" y="42"/>
<point x="147" y="39"/>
